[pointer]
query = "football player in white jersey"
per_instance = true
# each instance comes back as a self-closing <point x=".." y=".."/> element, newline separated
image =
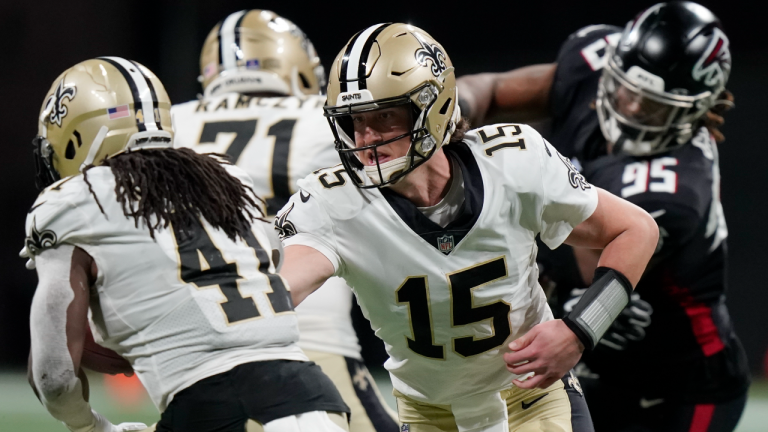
<point x="167" y="249"/>
<point x="262" y="106"/>
<point x="434" y="229"/>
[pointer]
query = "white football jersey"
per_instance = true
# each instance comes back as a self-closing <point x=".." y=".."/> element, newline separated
<point x="181" y="307"/>
<point x="447" y="301"/>
<point x="277" y="141"/>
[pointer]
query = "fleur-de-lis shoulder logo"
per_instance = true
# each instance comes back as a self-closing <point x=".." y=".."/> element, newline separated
<point x="285" y="228"/>
<point x="55" y="103"/>
<point x="576" y="178"/>
<point x="39" y="241"/>
<point x="430" y="53"/>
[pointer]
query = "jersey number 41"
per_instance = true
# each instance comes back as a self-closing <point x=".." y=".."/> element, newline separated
<point x="203" y="265"/>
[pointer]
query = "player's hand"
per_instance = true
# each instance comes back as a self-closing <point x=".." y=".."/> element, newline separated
<point x="714" y="117"/>
<point x="549" y="350"/>
<point x="630" y="325"/>
<point x="25" y="253"/>
<point x="104" y="425"/>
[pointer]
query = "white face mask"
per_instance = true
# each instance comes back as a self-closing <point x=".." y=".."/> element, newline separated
<point x="662" y="122"/>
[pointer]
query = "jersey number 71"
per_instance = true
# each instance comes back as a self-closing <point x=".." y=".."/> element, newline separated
<point x="281" y="132"/>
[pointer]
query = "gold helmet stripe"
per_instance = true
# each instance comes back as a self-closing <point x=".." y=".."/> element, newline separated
<point x="355" y="68"/>
<point x="229" y="40"/>
<point x="142" y="95"/>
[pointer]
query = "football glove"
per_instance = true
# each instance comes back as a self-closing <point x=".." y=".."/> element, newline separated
<point x="104" y="425"/>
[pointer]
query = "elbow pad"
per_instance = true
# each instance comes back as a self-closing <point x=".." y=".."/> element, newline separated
<point x="599" y="306"/>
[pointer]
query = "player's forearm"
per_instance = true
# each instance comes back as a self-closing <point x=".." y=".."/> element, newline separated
<point x="522" y="95"/>
<point x="61" y="390"/>
<point x="305" y="270"/>
<point x="476" y="94"/>
<point x="631" y="250"/>
<point x="627" y="234"/>
<point x="64" y="399"/>
<point x="54" y="367"/>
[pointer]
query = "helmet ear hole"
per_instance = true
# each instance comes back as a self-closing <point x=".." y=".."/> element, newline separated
<point x="445" y="106"/>
<point x="70" y="151"/>
<point x="304" y="81"/>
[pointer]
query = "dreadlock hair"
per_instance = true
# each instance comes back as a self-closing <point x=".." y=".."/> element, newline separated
<point x="178" y="186"/>
<point x="462" y="127"/>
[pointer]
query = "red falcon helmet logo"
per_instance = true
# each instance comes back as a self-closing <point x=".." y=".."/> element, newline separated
<point x="715" y="64"/>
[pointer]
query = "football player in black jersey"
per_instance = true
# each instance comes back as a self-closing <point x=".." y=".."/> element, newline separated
<point x="639" y="110"/>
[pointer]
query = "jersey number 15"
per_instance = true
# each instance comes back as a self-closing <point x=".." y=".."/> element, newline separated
<point x="414" y="291"/>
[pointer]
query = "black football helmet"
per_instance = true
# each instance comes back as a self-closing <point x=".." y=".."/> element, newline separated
<point x="667" y="70"/>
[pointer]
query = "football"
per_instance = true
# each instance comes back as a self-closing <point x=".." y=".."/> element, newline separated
<point x="103" y="360"/>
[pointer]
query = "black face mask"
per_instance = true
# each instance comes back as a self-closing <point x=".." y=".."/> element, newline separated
<point x="340" y="121"/>
<point x="45" y="174"/>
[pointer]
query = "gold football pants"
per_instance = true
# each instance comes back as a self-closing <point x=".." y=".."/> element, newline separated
<point x="535" y="410"/>
<point x="336" y="367"/>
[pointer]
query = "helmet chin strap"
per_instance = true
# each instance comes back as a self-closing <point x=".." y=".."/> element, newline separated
<point x="388" y="169"/>
<point x="95" y="147"/>
<point x="137" y="141"/>
<point x="295" y="84"/>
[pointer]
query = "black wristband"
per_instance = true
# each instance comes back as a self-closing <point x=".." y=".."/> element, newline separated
<point x="583" y="337"/>
<point x="601" y="271"/>
<point x="599" y="306"/>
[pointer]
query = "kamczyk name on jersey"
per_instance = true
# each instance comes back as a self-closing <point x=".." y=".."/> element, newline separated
<point x="241" y="101"/>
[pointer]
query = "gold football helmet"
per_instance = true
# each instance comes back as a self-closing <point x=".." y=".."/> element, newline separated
<point x="259" y="51"/>
<point x="387" y="65"/>
<point x="96" y="109"/>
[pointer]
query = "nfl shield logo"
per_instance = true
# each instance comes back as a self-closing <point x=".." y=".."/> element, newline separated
<point x="445" y="244"/>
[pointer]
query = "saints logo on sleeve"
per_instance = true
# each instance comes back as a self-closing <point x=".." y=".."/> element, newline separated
<point x="285" y="228"/>
<point x="37" y="241"/>
<point x="59" y="215"/>
<point x="576" y="178"/>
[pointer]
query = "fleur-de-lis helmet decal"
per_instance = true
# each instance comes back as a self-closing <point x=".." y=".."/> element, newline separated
<point x="430" y="53"/>
<point x="55" y="103"/>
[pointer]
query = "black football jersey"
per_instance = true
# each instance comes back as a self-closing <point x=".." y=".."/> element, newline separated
<point x="575" y="128"/>
<point x="690" y="345"/>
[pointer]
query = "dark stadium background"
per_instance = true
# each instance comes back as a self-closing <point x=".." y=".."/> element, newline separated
<point x="42" y="38"/>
